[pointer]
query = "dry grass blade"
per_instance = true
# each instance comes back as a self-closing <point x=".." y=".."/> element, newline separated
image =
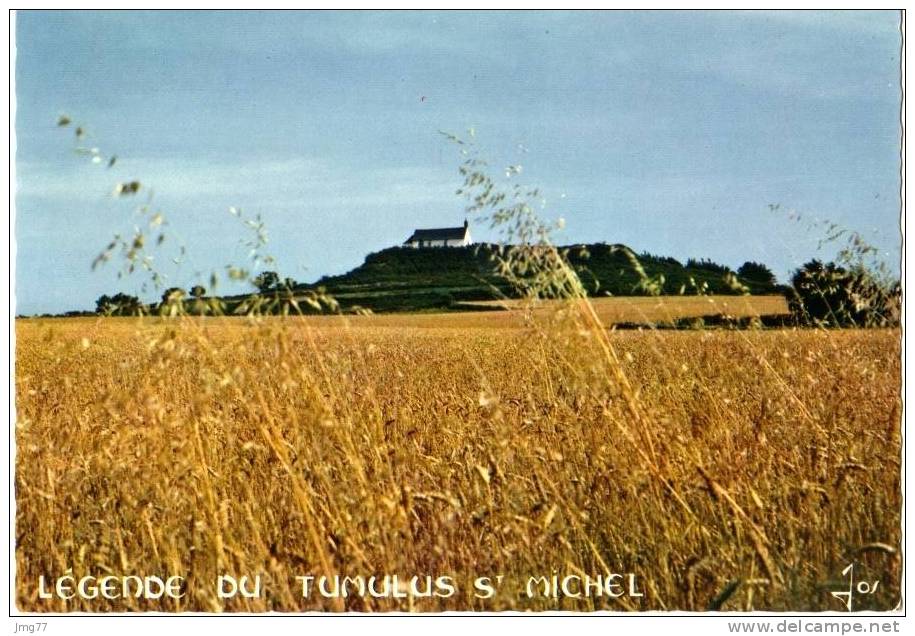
<point x="760" y="542"/>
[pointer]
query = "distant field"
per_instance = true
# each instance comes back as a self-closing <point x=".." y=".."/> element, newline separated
<point x="732" y="469"/>
<point x="631" y="309"/>
<point x="669" y="308"/>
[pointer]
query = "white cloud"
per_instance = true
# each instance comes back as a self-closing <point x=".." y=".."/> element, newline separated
<point x="277" y="180"/>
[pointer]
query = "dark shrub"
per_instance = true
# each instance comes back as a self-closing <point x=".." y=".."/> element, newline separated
<point x="832" y="296"/>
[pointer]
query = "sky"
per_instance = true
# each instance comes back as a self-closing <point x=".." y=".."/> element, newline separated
<point x="671" y="132"/>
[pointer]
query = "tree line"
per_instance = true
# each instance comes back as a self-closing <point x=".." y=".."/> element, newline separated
<point x="820" y="294"/>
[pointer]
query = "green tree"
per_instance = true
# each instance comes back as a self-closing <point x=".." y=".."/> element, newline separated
<point x="103" y="304"/>
<point x="756" y="273"/>
<point x="120" y="304"/>
<point x="829" y="295"/>
<point x="172" y="295"/>
<point x="266" y="281"/>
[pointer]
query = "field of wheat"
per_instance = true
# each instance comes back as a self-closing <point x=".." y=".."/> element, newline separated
<point x="740" y="470"/>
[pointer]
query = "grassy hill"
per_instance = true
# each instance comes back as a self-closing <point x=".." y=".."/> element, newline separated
<point x="407" y="279"/>
<point x="404" y="279"/>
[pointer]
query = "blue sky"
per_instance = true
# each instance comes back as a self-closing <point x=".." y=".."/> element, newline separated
<point x="671" y="132"/>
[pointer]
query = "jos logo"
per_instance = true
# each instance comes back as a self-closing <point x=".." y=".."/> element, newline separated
<point x="861" y="587"/>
